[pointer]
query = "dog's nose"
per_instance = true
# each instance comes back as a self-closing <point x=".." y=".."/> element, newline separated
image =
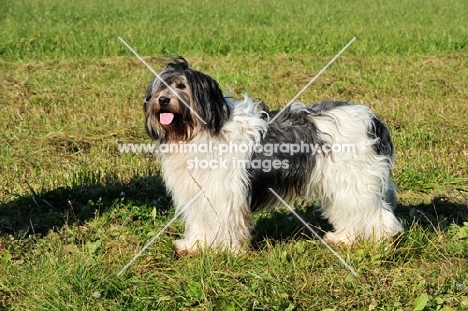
<point x="164" y="101"/>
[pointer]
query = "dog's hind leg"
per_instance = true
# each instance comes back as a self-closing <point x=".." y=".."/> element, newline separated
<point x="358" y="199"/>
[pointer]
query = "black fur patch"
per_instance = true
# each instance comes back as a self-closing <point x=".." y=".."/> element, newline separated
<point x="296" y="127"/>
<point x="291" y="127"/>
<point x="383" y="145"/>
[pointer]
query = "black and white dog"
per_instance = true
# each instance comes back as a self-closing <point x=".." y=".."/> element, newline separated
<point x="234" y="151"/>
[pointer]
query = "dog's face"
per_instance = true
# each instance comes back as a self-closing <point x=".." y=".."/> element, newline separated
<point x="181" y="102"/>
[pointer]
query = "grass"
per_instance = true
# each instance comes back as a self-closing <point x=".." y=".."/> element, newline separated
<point x="57" y="30"/>
<point x="73" y="210"/>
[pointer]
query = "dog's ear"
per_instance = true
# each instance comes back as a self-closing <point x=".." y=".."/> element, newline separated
<point x="151" y="126"/>
<point x="207" y="95"/>
<point x="148" y="96"/>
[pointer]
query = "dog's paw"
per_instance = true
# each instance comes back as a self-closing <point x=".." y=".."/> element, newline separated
<point x="185" y="247"/>
<point x="338" y="239"/>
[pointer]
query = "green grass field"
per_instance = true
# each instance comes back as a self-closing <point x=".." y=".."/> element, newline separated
<point x="74" y="211"/>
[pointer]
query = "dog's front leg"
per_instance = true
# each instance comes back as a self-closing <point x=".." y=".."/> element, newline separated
<point x="219" y="220"/>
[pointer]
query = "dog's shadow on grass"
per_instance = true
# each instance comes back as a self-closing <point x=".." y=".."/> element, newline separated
<point x="272" y="227"/>
<point x="38" y="213"/>
<point x="278" y="226"/>
<point x="437" y="214"/>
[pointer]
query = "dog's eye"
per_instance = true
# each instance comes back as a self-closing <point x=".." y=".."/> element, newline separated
<point x="180" y="86"/>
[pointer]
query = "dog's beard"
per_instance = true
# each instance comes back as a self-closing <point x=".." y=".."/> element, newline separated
<point x="172" y="123"/>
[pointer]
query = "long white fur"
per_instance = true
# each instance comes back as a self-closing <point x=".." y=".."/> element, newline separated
<point x="221" y="217"/>
<point x="354" y="187"/>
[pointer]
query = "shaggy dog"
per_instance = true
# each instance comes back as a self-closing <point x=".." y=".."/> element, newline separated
<point x="234" y="151"/>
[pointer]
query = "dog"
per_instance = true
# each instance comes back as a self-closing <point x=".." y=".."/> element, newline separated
<point x="235" y="151"/>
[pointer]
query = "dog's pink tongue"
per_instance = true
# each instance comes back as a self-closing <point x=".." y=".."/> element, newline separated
<point x="166" y="118"/>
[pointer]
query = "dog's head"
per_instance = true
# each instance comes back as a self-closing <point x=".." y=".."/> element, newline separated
<point x="180" y="102"/>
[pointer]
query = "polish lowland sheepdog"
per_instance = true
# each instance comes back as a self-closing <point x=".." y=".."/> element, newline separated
<point x="234" y="152"/>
